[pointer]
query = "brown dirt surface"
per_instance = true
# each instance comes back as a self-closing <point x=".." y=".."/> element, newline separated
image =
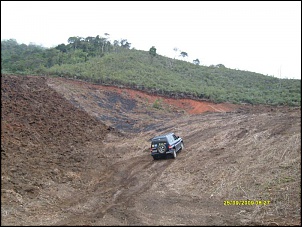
<point x="76" y="153"/>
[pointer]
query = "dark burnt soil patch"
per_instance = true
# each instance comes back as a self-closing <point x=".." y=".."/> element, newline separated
<point x="118" y="108"/>
<point x="113" y="100"/>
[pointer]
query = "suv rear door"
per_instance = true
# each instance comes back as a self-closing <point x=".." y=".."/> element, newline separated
<point x="159" y="141"/>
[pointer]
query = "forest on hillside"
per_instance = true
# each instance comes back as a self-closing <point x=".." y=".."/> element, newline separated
<point x="97" y="60"/>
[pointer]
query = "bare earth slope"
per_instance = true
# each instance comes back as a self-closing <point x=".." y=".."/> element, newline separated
<point x="74" y="153"/>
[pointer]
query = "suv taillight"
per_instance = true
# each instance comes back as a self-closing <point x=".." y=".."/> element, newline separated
<point x="170" y="147"/>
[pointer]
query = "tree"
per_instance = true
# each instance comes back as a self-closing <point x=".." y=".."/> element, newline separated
<point x="115" y="45"/>
<point x="62" y="47"/>
<point x="72" y="41"/>
<point x="125" y="44"/>
<point x="183" y="54"/>
<point x="89" y="39"/>
<point x="75" y="41"/>
<point x="220" y="66"/>
<point x="107" y="42"/>
<point x="196" y="61"/>
<point x="152" y="51"/>
<point x="103" y="43"/>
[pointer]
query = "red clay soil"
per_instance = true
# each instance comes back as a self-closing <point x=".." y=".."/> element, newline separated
<point x="188" y="105"/>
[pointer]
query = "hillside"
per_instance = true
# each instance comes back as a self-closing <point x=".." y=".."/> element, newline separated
<point x="100" y="62"/>
<point x="77" y="153"/>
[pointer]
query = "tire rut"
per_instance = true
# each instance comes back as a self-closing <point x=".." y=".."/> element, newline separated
<point x="124" y="181"/>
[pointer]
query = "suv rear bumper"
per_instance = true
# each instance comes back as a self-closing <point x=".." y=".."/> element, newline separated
<point x="155" y="153"/>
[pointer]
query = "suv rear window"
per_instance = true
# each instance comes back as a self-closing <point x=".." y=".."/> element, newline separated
<point x="159" y="140"/>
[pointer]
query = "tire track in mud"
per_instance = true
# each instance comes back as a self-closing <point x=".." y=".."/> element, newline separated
<point x="119" y="187"/>
<point x="135" y="180"/>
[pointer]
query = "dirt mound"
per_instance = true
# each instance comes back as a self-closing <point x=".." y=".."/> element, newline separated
<point x="43" y="139"/>
<point x="74" y="153"/>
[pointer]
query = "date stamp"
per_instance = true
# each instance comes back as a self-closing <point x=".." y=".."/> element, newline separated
<point x="246" y="202"/>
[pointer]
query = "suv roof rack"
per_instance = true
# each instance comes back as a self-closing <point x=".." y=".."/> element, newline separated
<point x="164" y="135"/>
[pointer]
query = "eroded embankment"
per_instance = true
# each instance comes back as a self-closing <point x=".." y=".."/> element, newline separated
<point x="182" y="104"/>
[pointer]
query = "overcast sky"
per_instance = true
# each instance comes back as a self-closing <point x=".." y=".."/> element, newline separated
<point x="262" y="37"/>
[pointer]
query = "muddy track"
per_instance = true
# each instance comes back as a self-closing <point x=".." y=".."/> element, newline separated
<point x="119" y="185"/>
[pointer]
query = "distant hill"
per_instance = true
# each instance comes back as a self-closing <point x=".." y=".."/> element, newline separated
<point x="96" y="60"/>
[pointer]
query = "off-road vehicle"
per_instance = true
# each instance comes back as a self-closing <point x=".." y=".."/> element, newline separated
<point x="164" y="145"/>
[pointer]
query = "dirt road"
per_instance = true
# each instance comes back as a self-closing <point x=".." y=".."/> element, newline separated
<point x="73" y="153"/>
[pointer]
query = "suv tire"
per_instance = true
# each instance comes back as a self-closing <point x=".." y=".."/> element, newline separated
<point x="161" y="148"/>
<point x="155" y="158"/>
<point x="174" y="154"/>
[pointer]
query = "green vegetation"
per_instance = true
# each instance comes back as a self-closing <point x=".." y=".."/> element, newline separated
<point x="96" y="60"/>
<point x="157" y="104"/>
